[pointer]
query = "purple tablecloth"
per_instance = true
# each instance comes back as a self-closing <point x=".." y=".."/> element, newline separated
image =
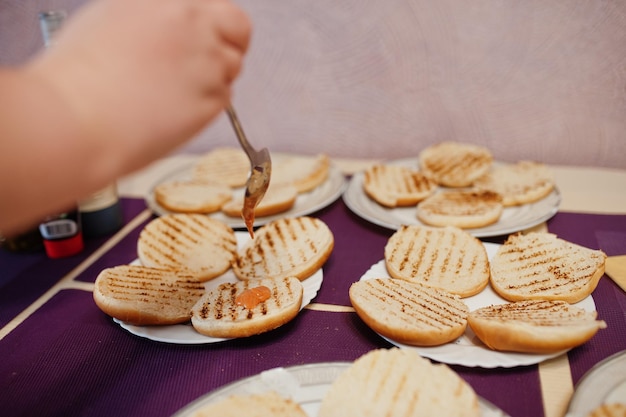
<point x="70" y="359"/>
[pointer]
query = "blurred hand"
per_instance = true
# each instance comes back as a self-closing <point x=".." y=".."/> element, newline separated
<point x="146" y="75"/>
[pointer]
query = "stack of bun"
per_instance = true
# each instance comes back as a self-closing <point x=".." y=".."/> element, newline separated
<point x="433" y="269"/>
<point x="218" y="176"/>
<point x="181" y="254"/>
<point x="457" y="184"/>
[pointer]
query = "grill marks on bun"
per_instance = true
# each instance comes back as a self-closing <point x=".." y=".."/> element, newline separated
<point x="455" y="164"/>
<point x="263" y="404"/>
<point x="229" y="166"/>
<point x="464" y="209"/>
<point x="542" y="266"/>
<point x="398" y="382"/>
<point x="409" y="312"/>
<point x="534" y="326"/>
<point x="198" y="244"/>
<point x="192" y="196"/>
<point x="396" y="186"/>
<point x="286" y="247"/>
<point x="447" y="258"/>
<point x="146" y="296"/>
<point x="218" y="314"/>
<point x="520" y="183"/>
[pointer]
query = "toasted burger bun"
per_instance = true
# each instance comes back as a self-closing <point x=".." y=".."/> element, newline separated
<point x="464" y="209"/>
<point x="521" y="183"/>
<point x="609" y="410"/>
<point x="192" y="196"/>
<point x="195" y="243"/>
<point x="286" y="247"/>
<point x="540" y="266"/>
<point x="229" y="166"/>
<point x="534" y="326"/>
<point x="396" y="185"/>
<point x="304" y="172"/>
<point x="398" y="382"/>
<point x="278" y="199"/>
<point x="252" y="405"/>
<point x="409" y="312"/>
<point x="219" y="314"/>
<point x="455" y="164"/>
<point x="447" y="258"/>
<point x="146" y="296"/>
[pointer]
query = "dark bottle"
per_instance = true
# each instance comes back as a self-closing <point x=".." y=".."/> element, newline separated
<point x="101" y="212"/>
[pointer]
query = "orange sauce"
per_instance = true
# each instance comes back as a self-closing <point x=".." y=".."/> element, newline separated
<point x="247" y="213"/>
<point x="252" y="297"/>
<point x="255" y="190"/>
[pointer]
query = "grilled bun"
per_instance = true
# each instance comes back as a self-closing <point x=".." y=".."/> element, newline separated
<point x="521" y="183"/>
<point x="447" y="258"/>
<point x="304" y="172"/>
<point x="246" y="308"/>
<point x="464" y="209"/>
<point x="609" y="410"/>
<point x="534" y="326"/>
<point x="396" y="185"/>
<point x="229" y="166"/>
<point x="455" y="164"/>
<point x="192" y="196"/>
<point x="195" y="243"/>
<point x="278" y="198"/>
<point x="540" y="266"/>
<point x="286" y="247"/>
<point x="409" y="312"/>
<point x="141" y="295"/>
<point x="398" y="382"/>
<point x="252" y="405"/>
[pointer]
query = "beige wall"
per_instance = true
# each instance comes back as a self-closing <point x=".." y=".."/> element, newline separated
<point x="534" y="79"/>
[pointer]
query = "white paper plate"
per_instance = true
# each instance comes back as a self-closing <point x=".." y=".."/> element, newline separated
<point x="605" y="383"/>
<point x="513" y="219"/>
<point x="305" y="384"/>
<point x="468" y="350"/>
<point x="306" y="203"/>
<point x="185" y="334"/>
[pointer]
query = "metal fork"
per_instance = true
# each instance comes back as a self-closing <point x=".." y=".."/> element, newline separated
<point x="260" y="171"/>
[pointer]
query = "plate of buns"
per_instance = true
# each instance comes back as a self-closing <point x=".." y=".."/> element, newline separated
<point x="186" y="333"/>
<point x="214" y="185"/>
<point x="332" y="389"/>
<point x="455" y="184"/>
<point x="477" y="304"/>
<point x="198" y="281"/>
